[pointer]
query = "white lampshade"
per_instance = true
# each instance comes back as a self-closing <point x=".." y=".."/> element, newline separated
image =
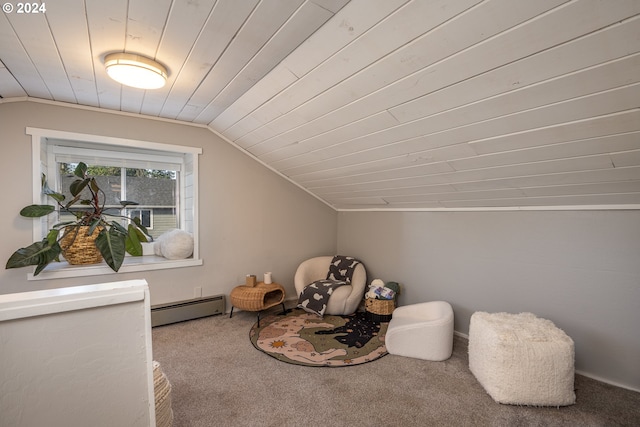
<point x="135" y="70"/>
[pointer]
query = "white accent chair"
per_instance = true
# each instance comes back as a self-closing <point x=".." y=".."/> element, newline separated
<point x="345" y="299"/>
<point x="422" y="331"/>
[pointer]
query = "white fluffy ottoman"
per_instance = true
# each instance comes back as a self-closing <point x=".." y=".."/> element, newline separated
<point x="521" y="359"/>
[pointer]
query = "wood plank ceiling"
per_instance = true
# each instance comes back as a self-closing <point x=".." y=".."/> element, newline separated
<point x="371" y="103"/>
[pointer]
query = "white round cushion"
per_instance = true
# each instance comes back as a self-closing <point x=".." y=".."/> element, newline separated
<point x="174" y="244"/>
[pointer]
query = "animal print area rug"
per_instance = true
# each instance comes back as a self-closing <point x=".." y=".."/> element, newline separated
<point x="306" y="339"/>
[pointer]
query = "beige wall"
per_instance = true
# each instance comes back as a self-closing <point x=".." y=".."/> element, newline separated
<point x="580" y="269"/>
<point x="251" y="219"/>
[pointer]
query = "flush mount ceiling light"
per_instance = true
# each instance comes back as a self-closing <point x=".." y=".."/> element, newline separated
<point x="135" y="70"/>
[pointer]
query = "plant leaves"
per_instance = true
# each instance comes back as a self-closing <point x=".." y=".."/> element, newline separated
<point x="52" y="236"/>
<point x="63" y="224"/>
<point x="72" y="202"/>
<point x="78" y="185"/>
<point x="38" y="253"/>
<point x="111" y="245"/>
<point x="55" y="196"/>
<point x="93" y="226"/>
<point x="81" y="170"/>
<point x="35" y="211"/>
<point x="133" y="245"/>
<point x="119" y="227"/>
<point x="126" y="203"/>
<point x="94" y="185"/>
<point x="49" y="192"/>
<point x="141" y="229"/>
<point x="141" y="236"/>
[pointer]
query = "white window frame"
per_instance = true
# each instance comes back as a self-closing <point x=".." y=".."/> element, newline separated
<point x="188" y="193"/>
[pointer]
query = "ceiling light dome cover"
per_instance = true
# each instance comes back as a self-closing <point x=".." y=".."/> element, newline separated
<point x="135" y="70"/>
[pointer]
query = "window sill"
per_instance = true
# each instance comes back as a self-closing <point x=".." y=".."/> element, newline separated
<point x="62" y="270"/>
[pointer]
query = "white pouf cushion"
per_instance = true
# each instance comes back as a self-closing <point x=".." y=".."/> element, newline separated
<point x="422" y="331"/>
<point x="174" y="244"/>
<point x="522" y="359"/>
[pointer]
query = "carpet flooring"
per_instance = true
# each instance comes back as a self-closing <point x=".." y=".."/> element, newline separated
<point x="219" y="379"/>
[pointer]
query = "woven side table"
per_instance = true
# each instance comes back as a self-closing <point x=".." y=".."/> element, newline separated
<point x="257" y="298"/>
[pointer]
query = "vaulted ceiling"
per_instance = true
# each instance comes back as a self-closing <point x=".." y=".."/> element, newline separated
<point x="370" y="103"/>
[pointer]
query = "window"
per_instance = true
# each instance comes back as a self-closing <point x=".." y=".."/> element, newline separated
<point x="146" y="217"/>
<point x="155" y="190"/>
<point x="161" y="178"/>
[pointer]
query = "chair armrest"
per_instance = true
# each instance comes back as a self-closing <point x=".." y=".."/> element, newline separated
<point x="358" y="285"/>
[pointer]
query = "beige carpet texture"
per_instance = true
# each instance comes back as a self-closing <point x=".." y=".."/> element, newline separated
<point x="219" y="379"/>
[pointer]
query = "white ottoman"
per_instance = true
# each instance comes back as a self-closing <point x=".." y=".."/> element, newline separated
<point x="423" y="331"/>
<point x="521" y="359"/>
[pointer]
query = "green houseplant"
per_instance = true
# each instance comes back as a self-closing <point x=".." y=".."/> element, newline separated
<point x="92" y="219"/>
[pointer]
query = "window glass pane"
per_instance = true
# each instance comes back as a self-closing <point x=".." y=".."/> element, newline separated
<point x="156" y="192"/>
<point x="108" y="179"/>
<point x="145" y="216"/>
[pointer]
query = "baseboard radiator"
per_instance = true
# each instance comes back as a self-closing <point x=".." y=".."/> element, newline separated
<point x="187" y="310"/>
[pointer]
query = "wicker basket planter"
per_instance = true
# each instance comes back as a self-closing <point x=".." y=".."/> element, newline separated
<point x="379" y="310"/>
<point x="83" y="249"/>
